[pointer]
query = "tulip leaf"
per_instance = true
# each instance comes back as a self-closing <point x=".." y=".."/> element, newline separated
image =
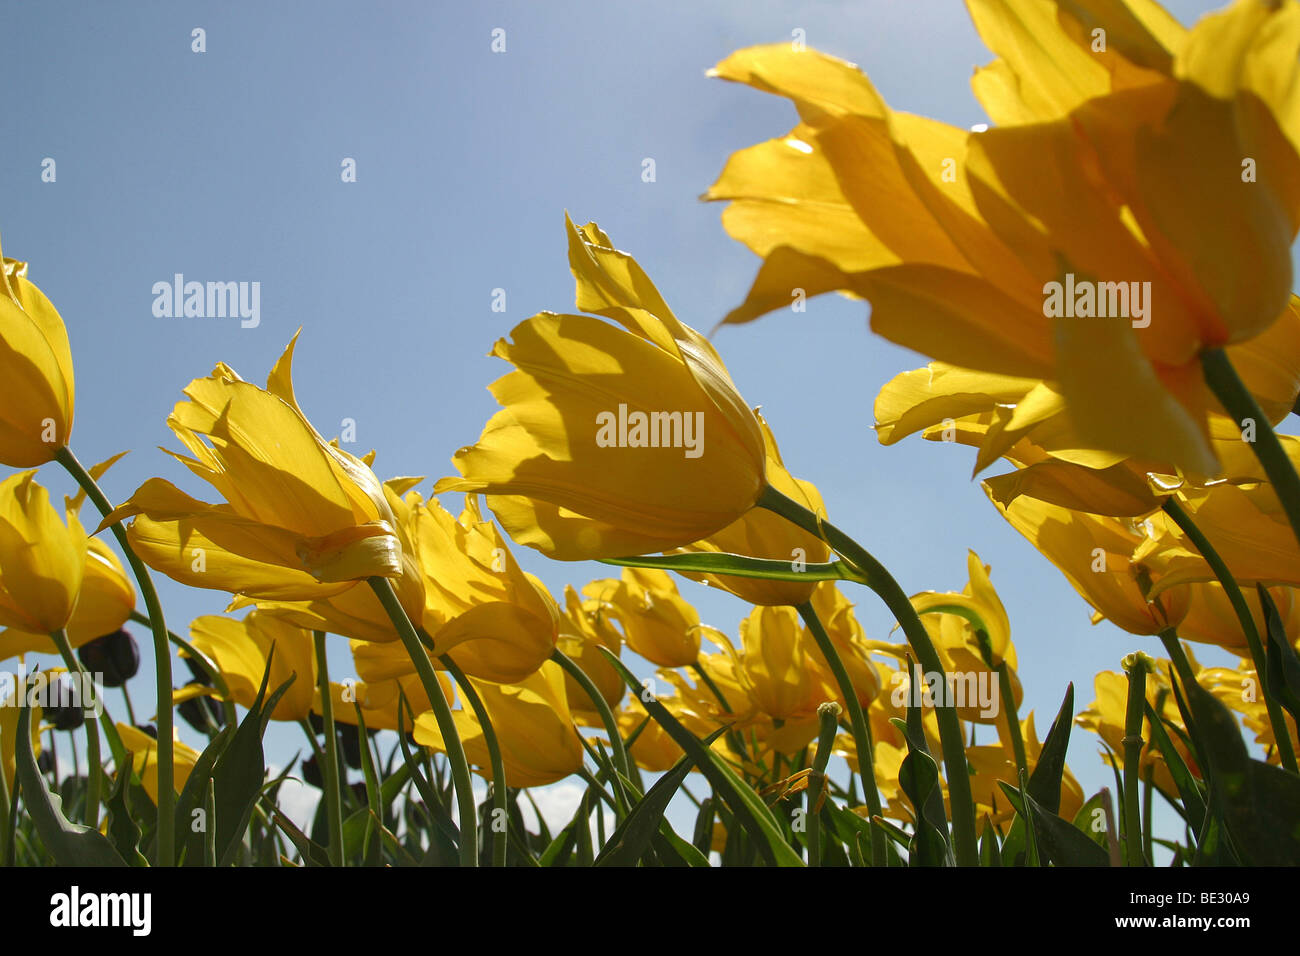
<point x="1282" y="665"/>
<point x="192" y="793"/>
<point x="312" y="853"/>
<point x="123" y="831"/>
<point x="741" y="566"/>
<point x="1061" y="842"/>
<point x="70" y="844"/>
<point x="1257" y="800"/>
<point x="1188" y="791"/>
<point x="703" y="835"/>
<point x="633" y="836"/>
<point x="990" y="855"/>
<point x="671" y="846"/>
<point x="1085" y="820"/>
<point x="749" y="809"/>
<point x="1045" y="780"/>
<point x="237" y="776"/>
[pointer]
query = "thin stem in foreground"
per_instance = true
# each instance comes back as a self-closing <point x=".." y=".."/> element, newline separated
<point x="499" y="811"/>
<point x="96" y="768"/>
<point x="162" y="660"/>
<point x="965" y="842"/>
<point x="442" y="713"/>
<point x="330" y="771"/>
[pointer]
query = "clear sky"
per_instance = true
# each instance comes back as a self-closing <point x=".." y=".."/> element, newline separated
<point x="225" y="166"/>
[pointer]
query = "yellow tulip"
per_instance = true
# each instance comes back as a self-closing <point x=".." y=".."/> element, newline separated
<point x="965" y="242"/>
<point x="653" y="749"/>
<point x="760" y="533"/>
<point x="302" y="519"/>
<point x="380" y="700"/>
<point x="1109" y="561"/>
<point x="9" y="728"/>
<point x="959" y="649"/>
<point x="496" y="621"/>
<point x="240" y="648"/>
<point x="991" y="763"/>
<point x="42" y="560"/>
<point x="104" y="605"/>
<point x="36" y="367"/>
<point x="144" y="750"/>
<point x="778" y="667"/>
<point x="539" y="744"/>
<point x="657" y="621"/>
<point x="835" y="612"/>
<point x="613" y="440"/>
<point x="585" y="629"/>
<point x="1239" y="689"/>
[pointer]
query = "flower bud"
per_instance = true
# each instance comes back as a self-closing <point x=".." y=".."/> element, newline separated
<point x="115" y="658"/>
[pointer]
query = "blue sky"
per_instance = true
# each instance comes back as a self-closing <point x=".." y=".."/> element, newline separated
<point x="225" y="166"/>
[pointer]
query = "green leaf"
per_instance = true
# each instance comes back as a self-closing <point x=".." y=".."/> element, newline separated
<point x="1083" y="820"/>
<point x="990" y="855"/>
<point x="703" y="562"/>
<point x="1188" y="789"/>
<point x="633" y="836"/>
<point x="1282" y="665"/>
<point x="749" y="809"/>
<point x="1045" y="780"/>
<point x="70" y="844"/>
<point x="193" y="791"/>
<point x="123" y="831"/>
<point x="1061" y="842"/>
<point x="1257" y="800"/>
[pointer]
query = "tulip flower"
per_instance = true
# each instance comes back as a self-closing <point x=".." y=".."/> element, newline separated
<point x="777" y="665"/>
<point x="302" y="519"/>
<point x="613" y="439"/>
<point x="1239" y="689"/>
<point x="9" y="729"/>
<point x="657" y="621"/>
<point x="653" y="749"/>
<point x="960" y="240"/>
<point x="760" y="533"/>
<point x="539" y="744"/>
<point x="584" y="629"/>
<point x="380" y="699"/>
<point x="36" y="367"/>
<point x="115" y="658"/>
<point x="42" y="560"/>
<point x="144" y="750"/>
<point x="240" y="650"/>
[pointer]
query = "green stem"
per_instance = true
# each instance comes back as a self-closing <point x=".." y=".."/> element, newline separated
<point x="96" y="768"/>
<point x="1013" y="717"/>
<point x="214" y="673"/>
<point x="130" y="711"/>
<point x="333" y="806"/>
<point x="499" y="810"/>
<point x="857" y="720"/>
<point x="828" y="717"/>
<point x="965" y="842"/>
<point x="606" y="715"/>
<point x="1241" y="406"/>
<point x="442" y="713"/>
<point x="162" y="661"/>
<point x="1276" y="718"/>
<point x="1136" y="667"/>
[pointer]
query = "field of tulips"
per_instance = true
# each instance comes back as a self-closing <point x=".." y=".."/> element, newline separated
<point x="1102" y="278"/>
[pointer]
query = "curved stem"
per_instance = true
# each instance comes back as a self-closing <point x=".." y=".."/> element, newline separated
<point x="1229" y="389"/>
<point x="1281" y="733"/>
<point x="828" y="720"/>
<point x="606" y="715"/>
<point x="162" y="661"/>
<point x="965" y="843"/>
<point x="214" y="673"/>
<point x="1013" y="717"/>
<point x="499" y="811"/>
<point x="857" y="720"/>
<point x="383" y="589"/>
<point x="96" y="768"/>
<point x="330" y="769"/>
